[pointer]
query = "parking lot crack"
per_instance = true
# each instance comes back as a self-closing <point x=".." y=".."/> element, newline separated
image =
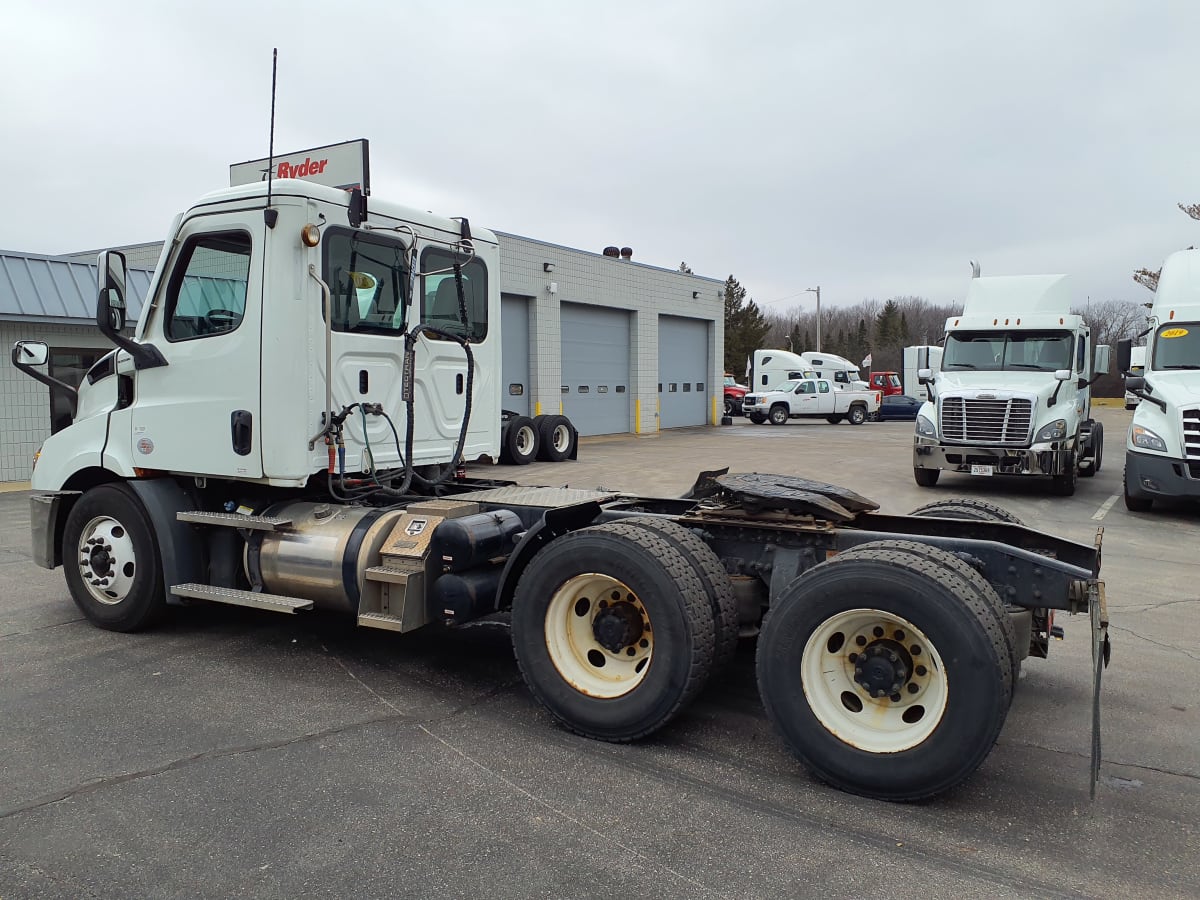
<point x="1108" y="762"/>
<point x="1130" y="631"/>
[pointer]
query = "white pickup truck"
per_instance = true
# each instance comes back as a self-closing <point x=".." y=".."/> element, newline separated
<point x="810" y="398"/>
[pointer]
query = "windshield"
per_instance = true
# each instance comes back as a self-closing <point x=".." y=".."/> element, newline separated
<point x="783" y="385"/>
<point x="1042" y="351"/>
<point x="891" y="380"/>
<point x="1177" y="346"/>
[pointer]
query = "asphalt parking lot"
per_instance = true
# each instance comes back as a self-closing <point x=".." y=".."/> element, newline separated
<point x="240" y="753"/>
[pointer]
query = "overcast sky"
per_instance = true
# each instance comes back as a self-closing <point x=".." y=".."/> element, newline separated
<point x="869" y="148"/>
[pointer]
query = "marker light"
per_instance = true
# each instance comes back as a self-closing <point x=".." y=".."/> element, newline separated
<point x="310" y="234"/>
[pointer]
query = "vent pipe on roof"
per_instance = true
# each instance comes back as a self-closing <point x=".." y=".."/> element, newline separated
<point x="614" y="252"/>
<point x="974" y="269"/>
<point x="627" y="253"/>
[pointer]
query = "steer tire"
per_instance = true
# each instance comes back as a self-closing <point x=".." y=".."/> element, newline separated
<point x="966" y="508"/>
<point x="926" y="477"/>
<point x="556" y="438"/>
<point x="519" y="444"/>
<point x="716" y="581"/>
<point x="778" y="414"/>
<point x="628" y="578"/>
<point x="1064" y="485"/>
<point x="939" y="732"/>
<point x="131" y="595"/>
<point x="757" y="418"/>
<point x="1135" y="500"/>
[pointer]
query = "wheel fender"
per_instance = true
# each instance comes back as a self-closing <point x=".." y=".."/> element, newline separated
<point x="554" y="524"/>
<point x="178" y="546"/>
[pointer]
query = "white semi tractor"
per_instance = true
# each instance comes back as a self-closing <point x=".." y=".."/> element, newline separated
<point x="1013" y="394"/>
<point x="1162" y="446"/>
<point x="287" y="430"/>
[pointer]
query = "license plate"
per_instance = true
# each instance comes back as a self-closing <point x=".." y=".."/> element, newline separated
<point x="983" y="470"/>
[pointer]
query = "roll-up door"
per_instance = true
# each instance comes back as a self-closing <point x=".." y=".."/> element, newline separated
<point x="595" y="368"/>
<point x="514" y="354"/>
<point x="682" y="371"/>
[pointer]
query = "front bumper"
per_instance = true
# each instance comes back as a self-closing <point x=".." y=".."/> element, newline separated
<point x="1055" y="458"/>
<point x="1155" y="475"/>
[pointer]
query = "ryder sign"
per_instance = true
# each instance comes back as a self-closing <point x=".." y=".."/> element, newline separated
<point x="342" y="166"/>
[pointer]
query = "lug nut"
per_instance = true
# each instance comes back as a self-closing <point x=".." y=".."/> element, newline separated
<point x="912" y="688"/>
<point x="921" y="670"/>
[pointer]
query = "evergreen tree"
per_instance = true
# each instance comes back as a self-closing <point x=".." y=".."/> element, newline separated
<point x="863" y="339"/>
<point x="745" y="326"/>
<point x="795" y="340"/>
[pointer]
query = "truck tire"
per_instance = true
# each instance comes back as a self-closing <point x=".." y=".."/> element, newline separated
<point x="111" y="560"/>
<point x="636" y="592"/>
<point x="833" y="420"/>
<point x="757" y="418"/>
<point x="926" y="477"/>
<point x="838" y="716"/>
<point x="1064" y="485"/>
<point x="973" y="581"/>
<point x="1135" y="500"/>
<point x="1095" y="451"/>
<point x="966" y="508"/>
<point x="556" y="438"/>
<point x="519" y="445"/>
<point x="857" y="415"/>
<point x="716" y="582"/>
<point x="729" y="407"/>
<point x="778" y="414"/>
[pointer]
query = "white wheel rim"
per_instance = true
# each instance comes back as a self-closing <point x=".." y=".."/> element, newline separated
<point x="106" y="560"/>
<point x="582" y="661"/>
<point x="864" y="639"/>
<point x="560" y="438"/>
<point x="524" y="440"/>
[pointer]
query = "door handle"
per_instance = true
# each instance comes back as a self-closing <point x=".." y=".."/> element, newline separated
<point x="241" y="428"/>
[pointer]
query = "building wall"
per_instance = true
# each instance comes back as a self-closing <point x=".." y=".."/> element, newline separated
<point x="25" y="403"/>
<point x="646" y="291"/>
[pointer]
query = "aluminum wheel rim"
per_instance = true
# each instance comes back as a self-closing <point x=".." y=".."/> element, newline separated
<point x="580" y="659"/>
<point x="106" y="559"/>
<point x="876" y="724"/>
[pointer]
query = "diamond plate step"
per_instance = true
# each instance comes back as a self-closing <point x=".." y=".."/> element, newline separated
<point x="233" y="520"/>
<point x="380" y="620"/>
<point x="393" y="574"/>
<point x="234" y="597"/>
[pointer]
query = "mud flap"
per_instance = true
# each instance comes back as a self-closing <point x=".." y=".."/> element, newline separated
<point x="1101" y="652"/>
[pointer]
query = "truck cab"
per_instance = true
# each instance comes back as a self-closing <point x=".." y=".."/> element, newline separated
<point x="1013" y="393"/>
<point x="1162" y="446"/>
<point x="887" y="383"/>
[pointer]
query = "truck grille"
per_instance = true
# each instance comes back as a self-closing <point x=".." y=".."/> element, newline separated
<point x="1191" y="433"/>
<point x="991" y="423"/>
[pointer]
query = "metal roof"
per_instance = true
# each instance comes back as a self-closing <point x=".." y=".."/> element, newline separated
<point x="48" y="289"/>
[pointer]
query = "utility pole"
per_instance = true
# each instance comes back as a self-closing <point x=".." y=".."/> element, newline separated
<point x="817" y="291"/>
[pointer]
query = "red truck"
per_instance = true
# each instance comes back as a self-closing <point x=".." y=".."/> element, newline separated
<point x="734" y="393"/>
<point x="888" y="382"/>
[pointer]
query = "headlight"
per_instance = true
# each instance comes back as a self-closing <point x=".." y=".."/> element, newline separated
<point x="925" y="427"/>
<point x="1055" y="431"/>
<point x="1144" y="437"/>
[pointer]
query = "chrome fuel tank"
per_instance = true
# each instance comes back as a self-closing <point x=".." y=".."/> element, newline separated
<point x="322" y="555"/>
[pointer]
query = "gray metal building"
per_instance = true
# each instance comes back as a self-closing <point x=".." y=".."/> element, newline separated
<point x="616" y="345"/>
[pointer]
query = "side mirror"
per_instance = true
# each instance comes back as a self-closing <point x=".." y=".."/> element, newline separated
<point x="924" y="376"/>
<point x="1062" y="374"/>
<point x="1103" y="358"/>
<point x="1124" y="355"/>
<point x="1135" y="383"/>
<point x="29" y="353"/>
<point x="110" y="306"/>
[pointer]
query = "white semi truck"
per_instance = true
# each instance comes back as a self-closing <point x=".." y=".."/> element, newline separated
<point x="287" y="429"/>
<point x="1162" y="446"/>
<point x="1013" y="393"/>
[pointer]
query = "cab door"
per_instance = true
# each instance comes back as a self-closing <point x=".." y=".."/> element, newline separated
<point x="199" y="414"/>
<point x="805" y="401"/>
<point x="825" y="398"/>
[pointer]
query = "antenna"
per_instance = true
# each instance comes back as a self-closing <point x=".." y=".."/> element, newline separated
<point x="270" y="216"/>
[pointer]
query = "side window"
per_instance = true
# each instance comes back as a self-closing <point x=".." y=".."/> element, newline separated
<point x="368" y="277"/>
<point x="207" y="292"/>
<point x="1081" y="353"/>
<point x="842" y="377"/>
<point x="823" y="386"/>
<point x="807" y="387"/>
<point x="440" y="306"/>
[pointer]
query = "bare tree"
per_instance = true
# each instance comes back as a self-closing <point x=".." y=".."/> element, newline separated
<point x="1148" y="278"/>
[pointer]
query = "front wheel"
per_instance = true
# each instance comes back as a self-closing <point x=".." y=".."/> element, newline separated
<point x="779" y="414"/>
<point x="728" y="407"/>
<point x="111" y="560"/>
<point x="926" y="477"/>
<point x="1064" y="485"/>
<point x="903" y="679"/>
<point x="833" y="420"/>
<point x="857" y="415"/>
<point x="757" y="418"/>
<point x="1135" y="500"/>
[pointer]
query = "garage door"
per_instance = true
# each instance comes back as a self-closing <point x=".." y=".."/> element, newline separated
<point x="595" y="368"/>
<point x="514" y="353"/>
<point x="682" y="371"/>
